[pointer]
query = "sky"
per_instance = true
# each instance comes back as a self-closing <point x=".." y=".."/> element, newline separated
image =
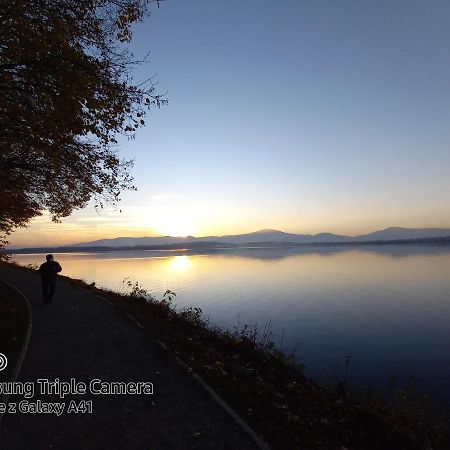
<point x="303" y="116"/>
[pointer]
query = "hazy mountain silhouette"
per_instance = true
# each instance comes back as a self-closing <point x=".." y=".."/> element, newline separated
<point x="394" y="233"/>
<point x="272" y="237"/>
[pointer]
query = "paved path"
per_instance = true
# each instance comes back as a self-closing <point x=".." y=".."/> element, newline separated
<point x="80" y="336"/>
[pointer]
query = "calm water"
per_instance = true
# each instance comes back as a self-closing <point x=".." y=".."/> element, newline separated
<point x="388" y="307"/>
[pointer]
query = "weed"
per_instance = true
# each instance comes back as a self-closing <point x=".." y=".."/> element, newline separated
<point x="343" y="386"/>
<point x="192" y="314"/>
<point x="246" y="333"/>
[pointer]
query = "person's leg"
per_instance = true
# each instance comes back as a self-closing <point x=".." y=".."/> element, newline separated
<point x="51" y="289"/>
<point x="44" y="290"/>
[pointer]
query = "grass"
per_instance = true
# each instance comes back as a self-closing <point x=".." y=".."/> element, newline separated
<point x="270" y="391"/>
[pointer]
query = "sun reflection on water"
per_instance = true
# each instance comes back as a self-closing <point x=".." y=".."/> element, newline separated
<point x="181" y="263"/>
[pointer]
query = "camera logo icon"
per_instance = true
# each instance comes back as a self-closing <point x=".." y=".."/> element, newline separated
<point x="3" y="361"/>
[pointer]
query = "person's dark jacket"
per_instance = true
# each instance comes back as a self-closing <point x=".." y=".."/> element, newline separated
<point x="49" y="269"/>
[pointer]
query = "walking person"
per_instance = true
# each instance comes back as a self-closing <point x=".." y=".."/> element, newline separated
<point x="48" y="271"/>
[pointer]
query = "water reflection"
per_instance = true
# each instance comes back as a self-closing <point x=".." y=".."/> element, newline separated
<point x="388" y="307"/>
<point x="180" y="263"/>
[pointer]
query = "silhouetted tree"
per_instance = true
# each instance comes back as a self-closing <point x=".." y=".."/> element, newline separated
<point x="66" y="92"/>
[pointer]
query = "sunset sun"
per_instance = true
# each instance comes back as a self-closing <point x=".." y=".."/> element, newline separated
<point x="176" y="227"/>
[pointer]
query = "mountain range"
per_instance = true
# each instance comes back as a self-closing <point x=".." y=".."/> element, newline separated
<point x="269" y="238"/>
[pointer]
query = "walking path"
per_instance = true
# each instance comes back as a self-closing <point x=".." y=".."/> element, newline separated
<point x="80" y="336"/>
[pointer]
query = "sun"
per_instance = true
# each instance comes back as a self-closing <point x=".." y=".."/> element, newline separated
<point x="176" y="225"/>
<point x="176" y="230"/>
<point x="176" y="221"/>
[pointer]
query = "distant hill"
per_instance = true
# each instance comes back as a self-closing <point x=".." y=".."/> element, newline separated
<point x="135" y="242"/>
<point x="259" y="239"/>
<point x="274" y="236"/>
<point x="398" y="233"/>
<point x="269" y="237"/>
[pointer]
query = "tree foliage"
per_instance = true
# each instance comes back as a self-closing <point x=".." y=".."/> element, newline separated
<point x="66" y="92"/>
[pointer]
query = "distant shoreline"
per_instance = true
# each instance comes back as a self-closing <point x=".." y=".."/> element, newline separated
<point x="217" y="246"/>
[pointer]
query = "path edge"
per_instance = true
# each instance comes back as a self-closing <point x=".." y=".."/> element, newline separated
<point x="212" y="393"/>
<point x="4" y="398"/>
<point x="221" y="402"/>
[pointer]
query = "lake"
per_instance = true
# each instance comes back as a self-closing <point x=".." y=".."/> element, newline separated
<point x="387" y="307"/>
